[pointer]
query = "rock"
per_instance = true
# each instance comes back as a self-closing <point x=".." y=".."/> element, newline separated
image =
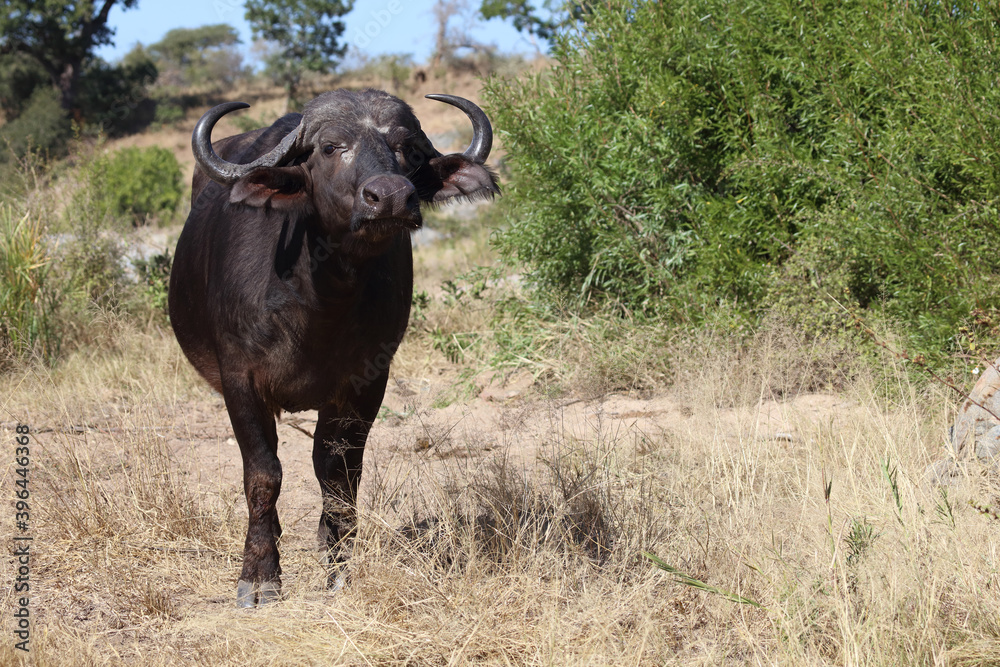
<point x="976" y="432"/>
<point x="977" y="426"/>
<point x="988" y="445"/>
<point x="945" y="472"/>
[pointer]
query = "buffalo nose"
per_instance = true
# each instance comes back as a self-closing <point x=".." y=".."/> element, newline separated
<point x="388" y="197"/>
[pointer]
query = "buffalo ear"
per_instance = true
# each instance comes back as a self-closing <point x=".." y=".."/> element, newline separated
<point x="457" y="176"/>
<point x="283" y="188"/>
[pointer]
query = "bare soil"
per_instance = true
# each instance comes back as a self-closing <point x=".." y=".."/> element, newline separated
<point x="507" y="419"/>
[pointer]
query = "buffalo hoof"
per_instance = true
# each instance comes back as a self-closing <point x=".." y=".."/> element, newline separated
<point x="336" y="582"/>
<point x="251" y="594"/>
<point x="336" y="573"/>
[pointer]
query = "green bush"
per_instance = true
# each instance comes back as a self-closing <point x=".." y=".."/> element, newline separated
<point x="26" y="325"/>
<point x="137" y="183"/>
<point x="63" y="277"/>
<point x="42" y="126"/>
<point x="814" y="157"/>
<point x="20" y="76"/>
<point x="153" y="280"/>
<point x="168" y="113"/>
<point x="113" y="99"/>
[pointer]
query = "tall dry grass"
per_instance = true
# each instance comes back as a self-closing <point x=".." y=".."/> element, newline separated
<point x="521" y="542"/>
<point x="500" y="559"/>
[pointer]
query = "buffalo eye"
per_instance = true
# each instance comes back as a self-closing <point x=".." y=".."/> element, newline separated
<point x="329" y="149"/>
<point x="416" y="157"/>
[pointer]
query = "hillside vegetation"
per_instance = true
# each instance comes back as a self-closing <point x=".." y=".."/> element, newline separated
<point x="807" y="161"/>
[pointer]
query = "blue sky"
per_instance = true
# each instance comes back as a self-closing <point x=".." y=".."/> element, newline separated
<point x="372" y="26"/>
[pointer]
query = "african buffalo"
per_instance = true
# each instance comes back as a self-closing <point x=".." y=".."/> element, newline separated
<point x="292" y="282"/>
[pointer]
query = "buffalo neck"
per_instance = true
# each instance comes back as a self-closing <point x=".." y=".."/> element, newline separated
<point x="320" y="265"/>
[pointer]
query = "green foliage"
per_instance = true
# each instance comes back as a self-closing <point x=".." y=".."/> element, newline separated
<point x="247" y="122"/>
<point x="63" y="281"/>
<point x="307" y="33"/>
<point x="523" y="15"/>
<point x="153" y="274"/>
<point x="859" y="541"/>
<point x="59" y="36"/>
<point x="687" y="580"/>
<point x="50" y="46"/>
<point x="25" y="322"/>
<point x="41" y="127"/>
<point x="20" y="76"/>
<point x="186" y="46"/>
<point x="760" y="157"/>
<point x="168" y="113"/>
<point x="113" y="99"/>
<point x="137" y="183"/>
<point x="194" y="56"/>
<point x="50" y="289"/>
<point x="527" y="18"/>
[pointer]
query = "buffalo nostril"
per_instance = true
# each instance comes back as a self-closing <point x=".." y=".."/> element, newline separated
<point x="388" y="195"/>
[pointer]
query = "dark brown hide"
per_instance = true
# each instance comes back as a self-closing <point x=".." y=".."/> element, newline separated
<point x="292" y="282"/>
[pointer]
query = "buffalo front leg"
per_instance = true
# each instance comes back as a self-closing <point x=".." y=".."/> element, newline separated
<point x="253" y="425"/>
<point x="338" y="454"/>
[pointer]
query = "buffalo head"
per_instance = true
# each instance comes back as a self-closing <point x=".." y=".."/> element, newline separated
<point x="357" y="161"/>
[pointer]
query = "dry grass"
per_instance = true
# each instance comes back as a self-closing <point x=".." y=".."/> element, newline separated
<point x="515" y="535"/>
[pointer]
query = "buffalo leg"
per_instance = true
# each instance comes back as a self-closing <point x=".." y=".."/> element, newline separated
<point x="253" y="425"/>
<point x="338" y="453"/>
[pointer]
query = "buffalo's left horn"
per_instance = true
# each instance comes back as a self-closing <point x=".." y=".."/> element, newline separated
<point x="482" y="131"/>
<point x="218" y="169"/>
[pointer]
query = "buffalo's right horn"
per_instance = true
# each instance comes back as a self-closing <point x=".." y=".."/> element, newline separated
<point x="482" y="131"/>
<point x="218" y="169"/>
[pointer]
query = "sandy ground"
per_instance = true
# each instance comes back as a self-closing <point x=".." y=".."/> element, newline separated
<point x="507" y="419"/>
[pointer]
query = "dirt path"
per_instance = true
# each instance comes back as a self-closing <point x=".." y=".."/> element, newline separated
<point x="412" y="438"/>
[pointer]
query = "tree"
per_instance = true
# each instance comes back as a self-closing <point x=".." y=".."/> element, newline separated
<point x="195" y="55"/>
<point x="527" y="18"/>
<point x="523" y="15"/>
<point x="113" y="98"/>
<point x="307" y="33"/>
<point x="186" y="46"/>
<point x="60" y="36"/>
<point x="445" y="40"/>
<point x="20" y="75"/>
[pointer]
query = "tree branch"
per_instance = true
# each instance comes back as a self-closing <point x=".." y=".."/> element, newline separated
<point x="90" y="26"/>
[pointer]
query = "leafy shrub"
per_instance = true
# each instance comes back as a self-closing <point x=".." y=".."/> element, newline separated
<point x="42" y="126"/>
<point x="138" y="183"/>
<point x="25" y="322"/>
<point x="246" y="122"/>
<point x="113" y="99"/>
<point x="63" y="277"/>
<point x="168" y="113"/>
<point x="687" y="157"/>
<point x="20" y="76"/>
<point x="153" y="278"/>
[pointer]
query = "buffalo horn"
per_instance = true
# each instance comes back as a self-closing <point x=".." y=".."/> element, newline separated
<point x="482" y="131"/>
<point x="218" y="169"/>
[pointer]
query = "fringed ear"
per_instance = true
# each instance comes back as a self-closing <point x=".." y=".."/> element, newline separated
<point x="454" y="175"/>
<point x="282" y="188"/>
